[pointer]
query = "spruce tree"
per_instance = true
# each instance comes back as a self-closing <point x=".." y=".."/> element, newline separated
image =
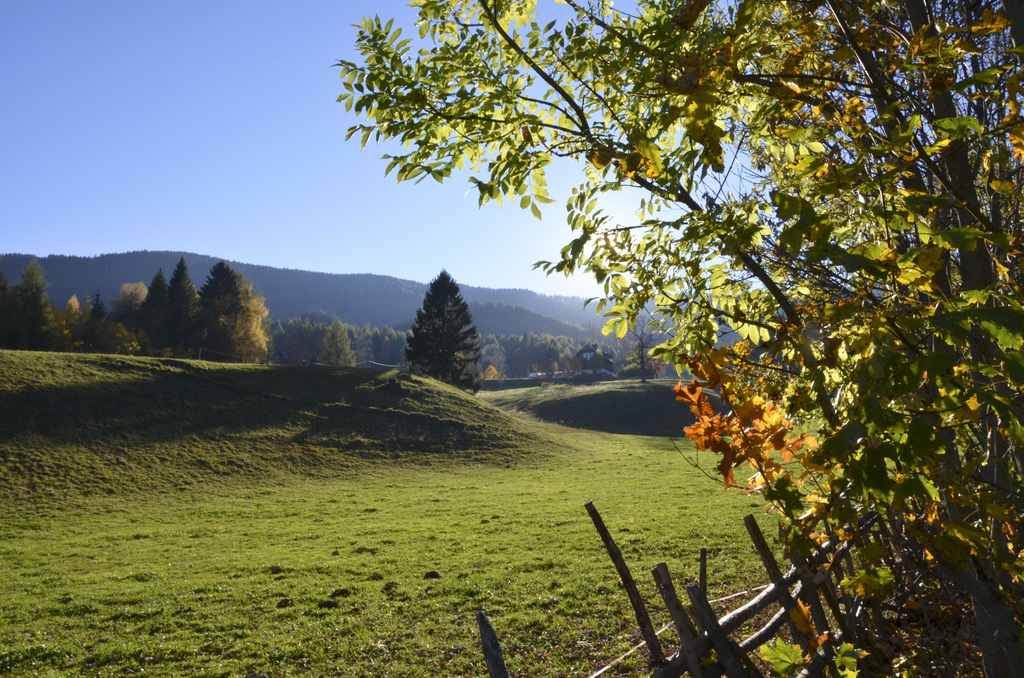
<point x="154" y="311"/>
<point x="231" y="317"/>
<point x="182" y="309"/>
<point x="97" y="309"/>
<point x="220" y="302"/>
<point x="444" y="343"/>
<point x="37" y="317"/>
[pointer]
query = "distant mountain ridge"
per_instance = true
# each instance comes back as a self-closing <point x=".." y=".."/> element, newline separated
<point x="355" y="298"/>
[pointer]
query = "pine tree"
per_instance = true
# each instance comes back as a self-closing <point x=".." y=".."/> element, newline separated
<point x="97" y="309"/>
<point x="231" y="317"/>
<point x="220" y="301"/>
<point x="444" y="343"/>
<point x="338" y="346"/>
<point x="36" y="315"/>
<point x="182" y="309"/>
<point x="154" y="311"/>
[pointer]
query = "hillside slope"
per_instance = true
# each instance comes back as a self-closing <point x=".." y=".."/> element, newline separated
<point x="628" y="407"/>
<point x="76" y="425"/>
<point x="357" y="299"/>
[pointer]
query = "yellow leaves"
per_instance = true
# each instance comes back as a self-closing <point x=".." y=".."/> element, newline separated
<point x="1016" y="136"/>
<point x="999" y="511"/>
<point x="787" y="89"/>
<point x="749" y="412"/>
<point x="601" y="156"/>
<point x="1003" y="187"/>
<point x="990" y="22"/>
<point x="700" y="122"/>
<point x="646" y="157"/>
<point x="918" y="268"/>
<point x="930" y="259"/>
<point x="874" y="583"/>
<point x="687" y="16"/>
<point x="651" y="155"/>
<point x="686" y="83"/>
<point x="800" y="613"/>
<point x="817" y="506"/>
<point x="968" y="411"/>
<point x="819" y="538"/>
<point x="855" y="106"/>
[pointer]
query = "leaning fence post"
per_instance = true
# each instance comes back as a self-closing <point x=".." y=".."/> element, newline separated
<point x="771" y="566"/>
<point x="639" y="609"/>
<point x="727" y="654"/>
<point x="493" y="655"/>
<point x="684" y="626"/>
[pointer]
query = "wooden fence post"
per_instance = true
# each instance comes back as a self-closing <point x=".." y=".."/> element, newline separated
<point x="493" y="655"/>
<point x="639" y="609"/>
<point x="771" y="566"/>
<point x="728" y="654"/>
<point x="684" y="627"/>
<point x="703" y="571"/>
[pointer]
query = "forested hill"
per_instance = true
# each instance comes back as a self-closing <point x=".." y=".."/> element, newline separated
<point x="357" y="299"/>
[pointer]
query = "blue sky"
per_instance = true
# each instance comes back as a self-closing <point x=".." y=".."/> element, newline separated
<point x="212" y="127"/>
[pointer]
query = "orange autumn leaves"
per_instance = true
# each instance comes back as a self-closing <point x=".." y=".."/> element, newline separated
<point x="753" y="430"/>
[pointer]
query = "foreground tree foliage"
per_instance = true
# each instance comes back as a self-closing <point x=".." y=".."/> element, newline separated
<point x="838" y="182"/>
<point x="443" y="342"/>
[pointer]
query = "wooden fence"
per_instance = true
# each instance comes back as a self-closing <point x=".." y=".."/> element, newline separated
<point x="819" y="615"/>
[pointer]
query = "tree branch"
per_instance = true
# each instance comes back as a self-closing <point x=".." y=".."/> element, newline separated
<point x="581" y="121"/>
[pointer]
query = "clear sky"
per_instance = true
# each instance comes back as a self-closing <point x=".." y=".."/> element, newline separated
<point x="211" y="126"/>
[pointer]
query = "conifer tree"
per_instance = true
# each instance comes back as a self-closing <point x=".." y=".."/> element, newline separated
<point x="220" y="301"/>
<point x="97" y="309"/>
<point x="36" y="315"/>
<point x="231" y="317"/>
<point x="444" y="343"/>
<point x="182" y="309"/>
<point x="154" y="310"/>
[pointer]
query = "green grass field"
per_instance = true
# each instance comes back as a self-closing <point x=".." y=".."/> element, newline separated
<point x="364" y="560"/>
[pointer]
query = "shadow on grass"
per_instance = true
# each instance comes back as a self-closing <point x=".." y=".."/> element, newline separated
<point x="106" y="424"/>
<point x="162" y="402"/>
<point x="631" y="408"/>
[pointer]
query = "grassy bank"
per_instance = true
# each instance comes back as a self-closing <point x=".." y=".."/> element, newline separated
<point x="83" y="425"/>
<point x="627" y="406"/>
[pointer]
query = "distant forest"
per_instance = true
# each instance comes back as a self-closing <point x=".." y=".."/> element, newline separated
<point x="357" y="299"/>
<point x="228" y="319"/>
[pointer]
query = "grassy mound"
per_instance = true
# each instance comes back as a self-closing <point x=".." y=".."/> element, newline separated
<point x="628" y="407"/>
<point x="77" y="425"/>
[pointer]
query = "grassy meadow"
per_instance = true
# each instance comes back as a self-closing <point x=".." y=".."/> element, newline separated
<point x="325" y="522"/>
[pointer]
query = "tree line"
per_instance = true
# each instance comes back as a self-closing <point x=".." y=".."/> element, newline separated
<point x="224" y="317"/>
<point x="229" y="322"/>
